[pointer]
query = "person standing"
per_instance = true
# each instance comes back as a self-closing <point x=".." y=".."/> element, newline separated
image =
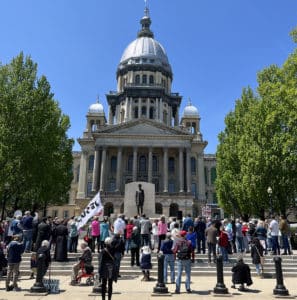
<point x="118" y="245"/>
<point x="162" y="230"/>
<point x="285" y="231"/>
<point x="239" y="236"/>
<point x="223" y="244"/>
<point x="107" y="268"/>
<point x="211" y="239"/>
<point x="135" y="246"/>
<point x="104" y="232"/>
<point x="145" y="231"/>
<point x="43" y="233"/>
<point x="146" y="262"/>
<point x="15" y="250"/>
<point x="166" y="249"/>
<point x="61" y="233"/>
<point x="200" y="227"/>
<point x="256" y="254"/>
<point x="73" y="235"/>
<point x="274" y="231"/>
<point x="95" y="233"/>
<point x="27" y="225"/>
<point x="182" y="250"/>
<point x="188" y="221"/>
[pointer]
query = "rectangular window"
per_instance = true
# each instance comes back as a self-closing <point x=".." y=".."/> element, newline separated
<point x="65" y="214"/>
<point x="55" y="213"/>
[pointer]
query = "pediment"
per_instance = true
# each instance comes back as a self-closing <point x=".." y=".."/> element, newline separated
<point x="144" y="127"/>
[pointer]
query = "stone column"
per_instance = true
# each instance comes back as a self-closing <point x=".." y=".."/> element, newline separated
<point x="110" y="115"/>
<point x="95" y="171"/>
<point x="134" y="174"/>
<point x="188" y="170"/>
<point x="157" y="110"/>
<point x="181" y="170"/>
<point x="176" y="119"/>
<point x="150" y="164"/>
<point x="161" y="110"/>
<point x="126" y="109"/>
<point x="119" y="169"/>
<point x="165" y="169"/>
<point x="102" y="175"/>
<point x="201" y="181"/>
<point x="139" y="108"/>
<point x="81" y="194"/>
<point x="130" y="108"/>
<point x="148" y="108"/>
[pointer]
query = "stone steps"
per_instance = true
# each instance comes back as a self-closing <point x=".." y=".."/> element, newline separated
<point x="199" y="268"/>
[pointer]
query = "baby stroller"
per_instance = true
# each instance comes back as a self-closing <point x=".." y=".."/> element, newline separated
<point x="86" y="271"/>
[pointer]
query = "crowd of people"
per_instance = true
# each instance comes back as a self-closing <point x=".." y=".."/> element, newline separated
<point x="138" y="237"/>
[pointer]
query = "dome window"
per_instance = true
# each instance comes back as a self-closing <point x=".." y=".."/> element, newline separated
<point x="137" y="79"/>
<point x="143" y="111"/>
<point x="151" y="79"/>
<point x="136" y="113"/>
<point x="144" y="79"/>
<point x="144" y="60"/>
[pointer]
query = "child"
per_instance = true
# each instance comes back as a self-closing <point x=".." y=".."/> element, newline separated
<point x="192" y="236"/>
<point x="33" y="263"/>
<point x="145" y="262"/>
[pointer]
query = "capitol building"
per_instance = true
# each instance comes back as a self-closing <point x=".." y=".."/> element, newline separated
<point x="144" y="137"/>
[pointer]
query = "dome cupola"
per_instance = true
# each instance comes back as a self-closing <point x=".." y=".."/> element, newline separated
<point x="190" y="110"/>
<point x="96" y="108"/>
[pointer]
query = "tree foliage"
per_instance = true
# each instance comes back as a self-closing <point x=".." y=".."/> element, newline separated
<point x="258" y="147"/>
<point x="35" y="152"/>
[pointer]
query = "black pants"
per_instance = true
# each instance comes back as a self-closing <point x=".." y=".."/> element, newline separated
<point x="134" y="254"/>
<point x="161" y="238"/>
<point x="104" y="284"/>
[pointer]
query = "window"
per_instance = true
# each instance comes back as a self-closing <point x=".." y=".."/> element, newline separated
<point x="171" y="187"/>
<point x="155" y="164"/>
<point x="173" y="210"/>
<point x="171" y="164"/>
<point x="142" y="164"/>
<point x="130" y="163"/>
<point x="159" y="208"/>
<point x="137" y="79"/>
<point x="144" y="79"/>
<point x="136" y="113"/>
<point x="151" y="79"/>
<point x="193" y="189"/>
<point x="91" y="163"/>
<point x="65" y="214"/>
<point x="113" y="164"/>
<point x="143" y="111"/>
<point x="89" y="188"/>
<point x="213" y="175"/>
<point x="112" y="185"/>
<point x="193" y="165"/>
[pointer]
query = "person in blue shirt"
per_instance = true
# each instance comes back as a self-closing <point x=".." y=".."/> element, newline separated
<point x="188" y="221"/>
<point x="166" y="249"/>
<point x="192" y="237"/>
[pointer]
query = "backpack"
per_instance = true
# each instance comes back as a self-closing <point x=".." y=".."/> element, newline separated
<point x="183" y="251"/>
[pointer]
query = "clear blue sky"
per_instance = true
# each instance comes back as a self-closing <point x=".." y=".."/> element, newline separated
<point x="215" y="48"/>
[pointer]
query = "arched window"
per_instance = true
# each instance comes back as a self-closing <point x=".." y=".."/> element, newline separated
<point x="152" y="113"/>
<point x="171" y="165"/>
<point x="155" y="164"/>
<point x="151" y="79"/>
<point x="143" y="111"/>
<point x="91" y="163"/>
<point x="136" y="113"/>
<point x="193" y="165"/>
<point x="137" y="79"/>
<point x="113" y="164"/>
<point x="159" y="208"/>
<point x="130" y="163"/>
<point x="213" y="175"/>
<point x="108" y="209"/>
<point x="171" y="187"/>
<point x="144" y="79"/>
<point x="142" y="164"/>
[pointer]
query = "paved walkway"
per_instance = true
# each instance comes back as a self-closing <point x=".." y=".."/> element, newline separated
<point x="129" y="288"/>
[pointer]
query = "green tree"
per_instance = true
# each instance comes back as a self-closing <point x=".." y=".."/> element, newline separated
<point x="35" y="152"/>
<point x="258" y="147"/>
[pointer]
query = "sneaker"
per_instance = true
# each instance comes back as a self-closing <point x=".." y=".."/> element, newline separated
<point x="17" y="289"/>
<point x="9" y="288"/>
<point x="189" y="291"/>
<point x="177" y="292"/>
<point x="73" y="282"/>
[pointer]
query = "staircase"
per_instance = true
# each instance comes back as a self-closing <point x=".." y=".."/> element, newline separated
<point x="199" y="268"/>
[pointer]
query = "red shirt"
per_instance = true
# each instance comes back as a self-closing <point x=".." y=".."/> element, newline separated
<point x="223" y="239"/>
<point x="129" y="229"/>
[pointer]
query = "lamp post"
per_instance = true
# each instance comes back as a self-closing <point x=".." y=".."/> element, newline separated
<point x="6" y="187"/>
<point x="269" y="191"/>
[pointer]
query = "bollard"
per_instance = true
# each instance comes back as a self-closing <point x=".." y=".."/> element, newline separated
<point x="38" y="286"/>
<point x="280" y="289"/>
<point x="220" y="287"/>
<point x="160" y="287"/>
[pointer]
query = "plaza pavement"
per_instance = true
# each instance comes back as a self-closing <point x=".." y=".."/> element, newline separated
<point x="132" y="288"/>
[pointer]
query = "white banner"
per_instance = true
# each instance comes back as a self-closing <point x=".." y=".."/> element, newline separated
<point x="94" y="208"/>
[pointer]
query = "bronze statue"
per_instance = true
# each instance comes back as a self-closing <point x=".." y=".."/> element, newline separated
<point x="139" y="199"/>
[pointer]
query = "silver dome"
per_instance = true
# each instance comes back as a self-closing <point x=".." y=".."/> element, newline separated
<point x="191" y="111"/>
<point x="96" y="108"/>
<point x="145" y="50"/>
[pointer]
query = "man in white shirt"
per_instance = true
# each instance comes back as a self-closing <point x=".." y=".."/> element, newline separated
<point x="274" y="231"/>
<point x="119" y="225"/>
